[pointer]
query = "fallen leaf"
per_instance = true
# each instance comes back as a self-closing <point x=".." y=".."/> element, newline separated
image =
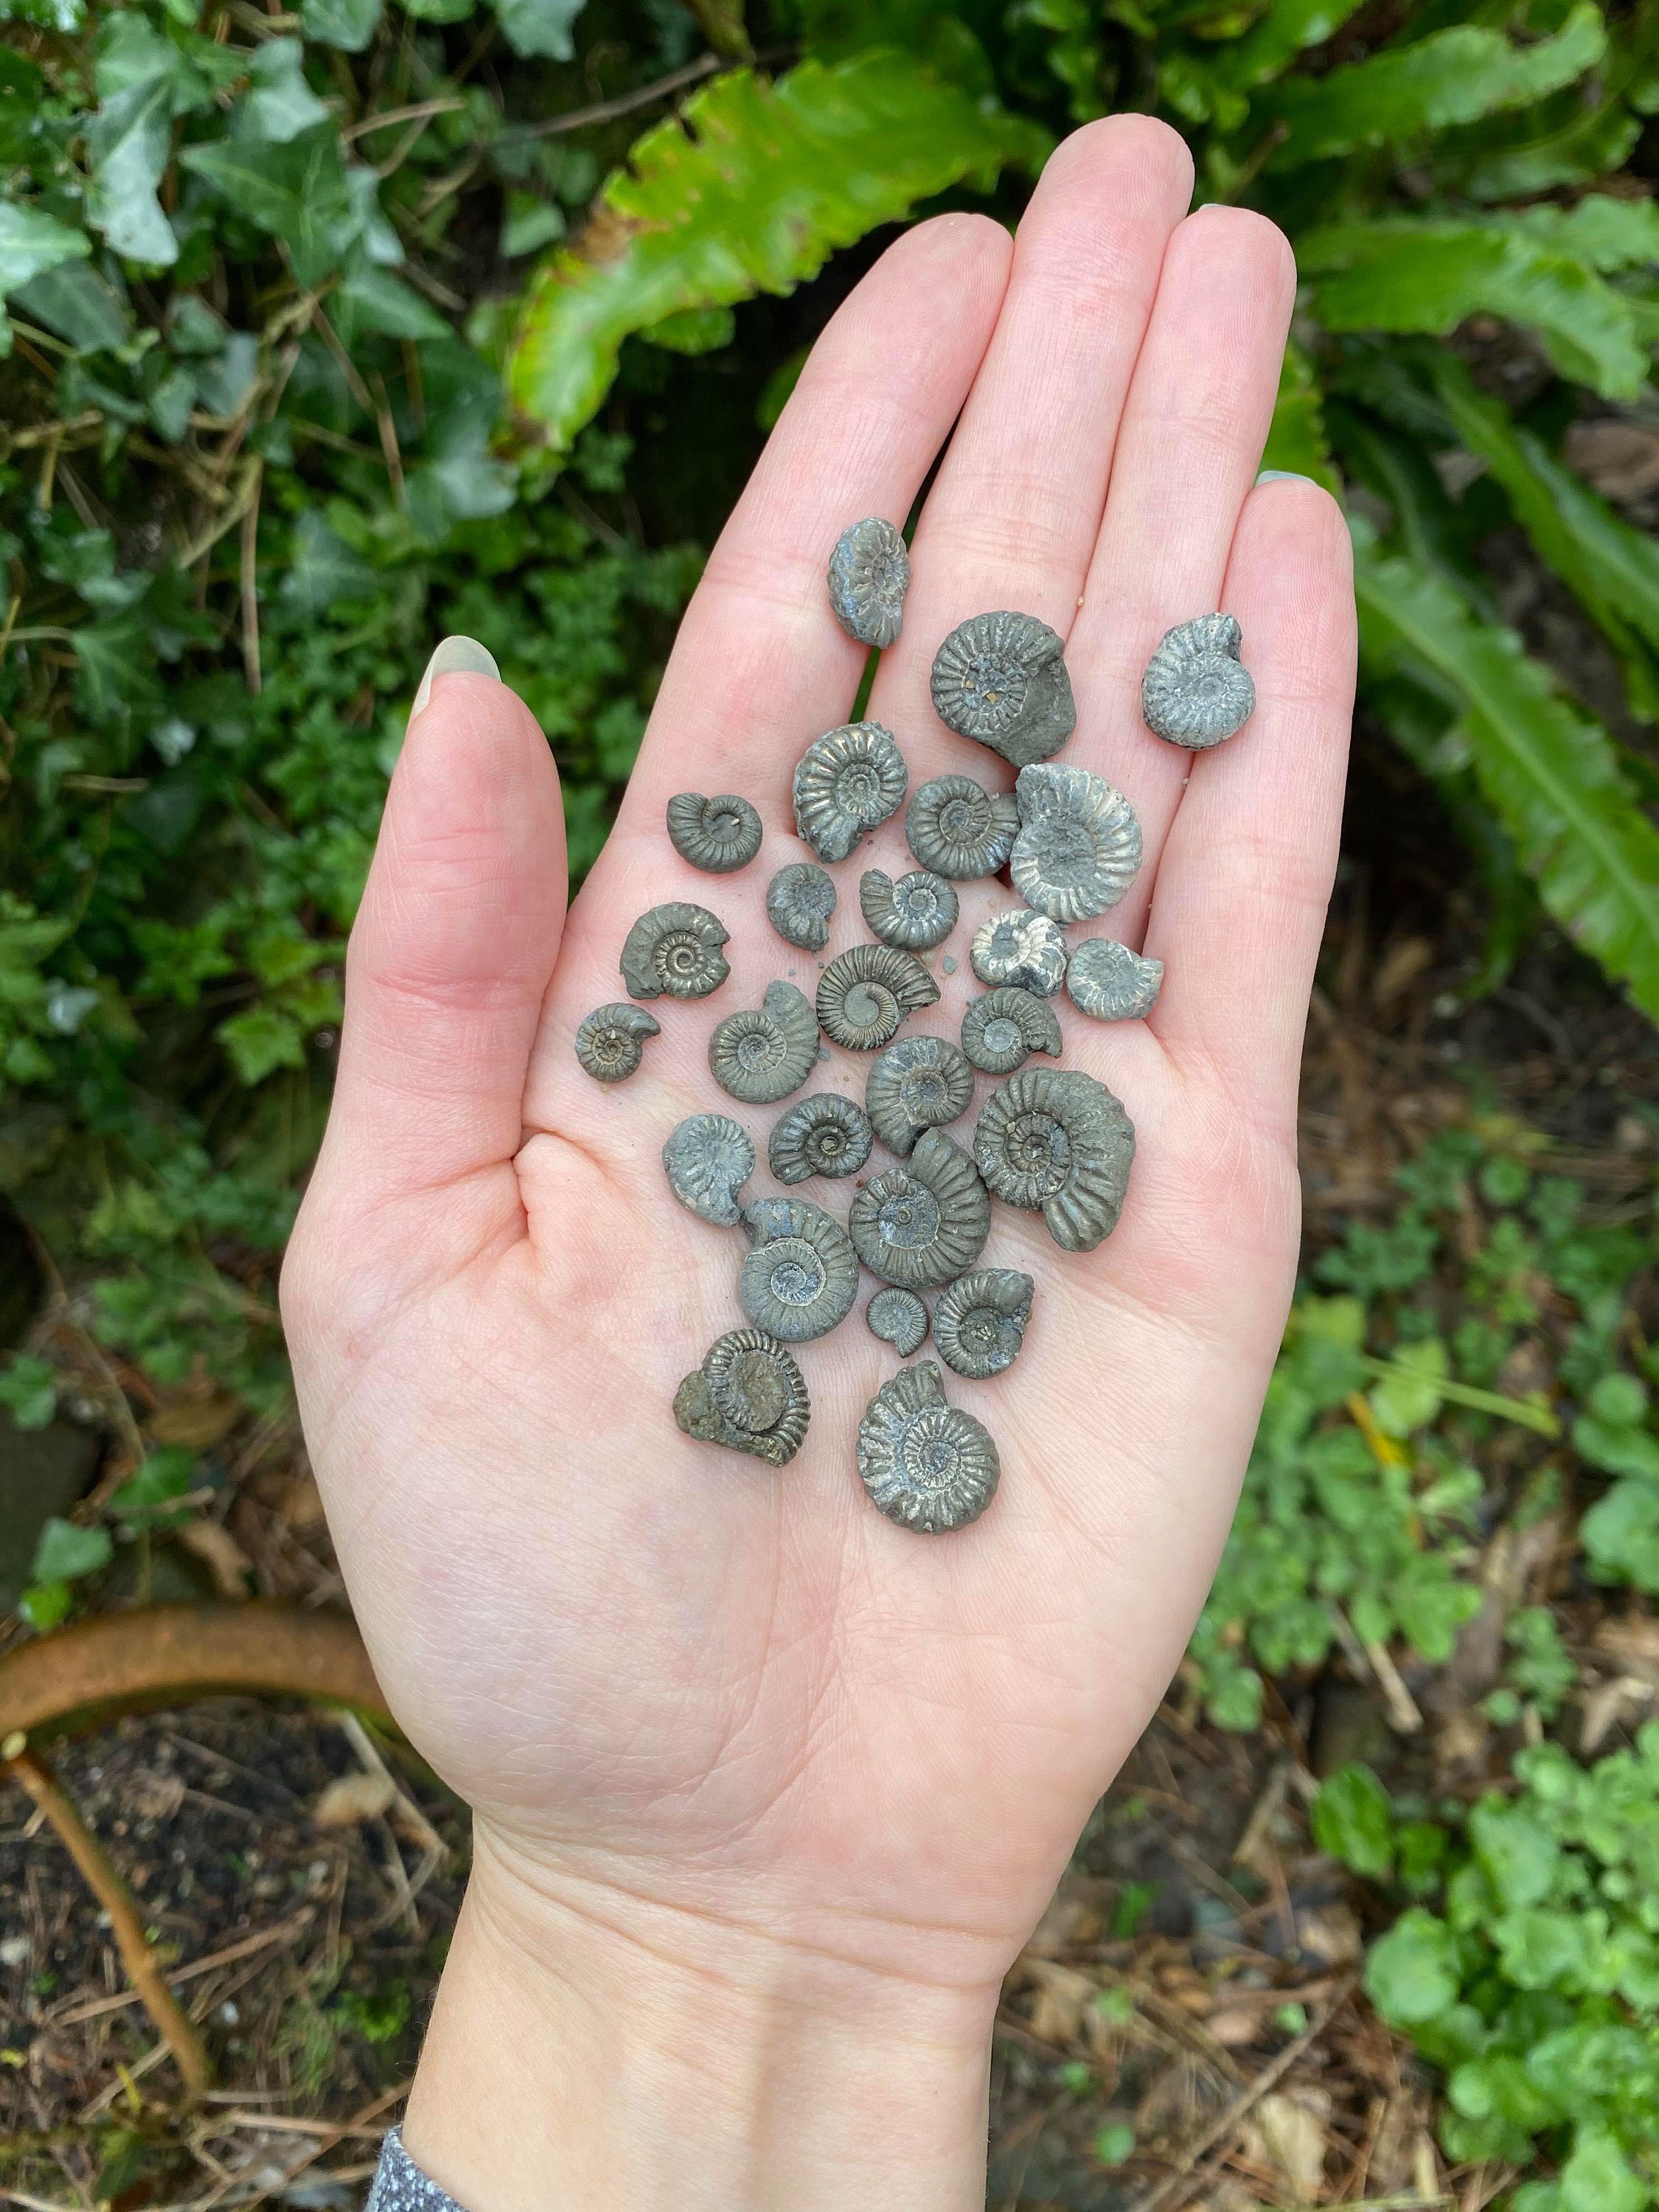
<point x="198" y="1423"/>
<point x="1294" y="2138"/>
<point x="303" y="1507"/>
<point x="1330" y="1933"/>
<point x="1235" y="2029"/>
<point x="353" y="1799"/>
<point x="1619" y="459"/>
<point x="219" y="1552"/>
<point x="1402" y="964"/>
<point x="1063" y="1996"/>
<point x="1634" y="1638"/>
<point x="1606" y="1705"/>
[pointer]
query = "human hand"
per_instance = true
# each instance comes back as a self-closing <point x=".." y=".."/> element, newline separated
<point x="768" y="1791"/>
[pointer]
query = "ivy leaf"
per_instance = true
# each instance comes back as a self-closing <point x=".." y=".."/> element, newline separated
<point x="296" y="190"/>
<point x="75" y="302"/>
<point x="66" y="1553"/>
<point x="28" y="1387"/>
<point x="129" y="141"/>
<point x="1410" y="1974"/>
<point x="31" y="243"/>
<point x="1352" y="1821"/>
<point x="261" y="1041"/>
<point x="348" y="24"/>
<point x="539" y="27"/>
<point x="279" y="103"/>
<point x="373" y="299"/>
<point x="323" y="569"/>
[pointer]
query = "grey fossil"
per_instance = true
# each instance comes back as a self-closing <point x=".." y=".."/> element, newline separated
<point x="716" y="835"/>
<point x="1079" y="845"/>
<point x="1055" y="1141"/>
<point x="867" y="992"/>
<point x="847" y="782"/>
<point x="924" y="1223"/>
<point x="1106" y="980"/>
<point x="675" y="948"/>
<point x="957" y="828"/>
<point x="916" y="912"/>
<point x="917" y="1083"/>
<point x="1196" y="692"/>
<point x="1001" y="678"/>
<point x="1020" y="947"/>
<point x="1001" y="1032"/>
<point x="763" y="1054"/>
<point x="709" y="1157"/>
<point x="869" y="575"/>
<point x="748" y="1395"/>
<point x="899" y="1318"/>
<point x="800" y="901"/>
<point x="824" y="1134"/>
<point x="925" y="1463"/>
<point x="800" y="1277"/>
<point x="610" y="1042"/>
<point x="979" y="1320"/>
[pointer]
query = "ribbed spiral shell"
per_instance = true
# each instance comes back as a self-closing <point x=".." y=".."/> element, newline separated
<point x="748" y="1395"/>
<point x="764" y="1053"/>
<point x="1020" y="947"/>
<point x="979" y="1320"/>
<point x="915" y="912"/>
<point x="675" y="948"/>
<point x="957" y="828"/>
<point x="716" y="835"/>
<point x="1195" y="691"/>
<point x="1001" y="678"/>
<point x="1078" y="846"/>
<point x="824" y="1134"/>
<point x="926" y="1222"/>
<point x="800" y="901"/>
<point x="899" y="1318"/>
<point x="867" y="992"/>
<point x="610" y="1042"/>
<point x="707" y="1159"/>
<point x="1107" y="982"/>
<point x="925" y="1463"/>
<point x="846" y="781"/>
<point x="917" y="1083"/>
<point x="801" y="1277"/>
<point x="1052" y="1140"/>
<point x="869" y="575"/>
<point x="1001" y="1032"/>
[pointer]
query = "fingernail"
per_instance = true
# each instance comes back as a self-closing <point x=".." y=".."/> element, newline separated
<point x="456" y="656"/>
<point x="1267" y="475"/>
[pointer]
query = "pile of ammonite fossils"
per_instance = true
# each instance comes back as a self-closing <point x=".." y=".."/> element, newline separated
<point x="1049" y="1140"/>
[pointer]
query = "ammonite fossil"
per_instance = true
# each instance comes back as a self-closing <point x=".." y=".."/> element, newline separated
<point x="800" y="1278"/>
<point x="749" y="1396"/>
<point x="915" y="1084"/>
<point x="763" y="1054"/>
<point x="1195" y="691"/>
<point x="824" y="1134"/>
<point x="928" y="1465"/>
<point x="979" y="1320"/>
<point x="800" y="901"/>
<point x="1022" y="948"/>
<point x="869" y="575"/>
<point x="1001" y="678"/>
<point x="1054" y="1140"/>
<point x="959" y="829"/>
<point x="865" y="993"/>
<point x="1078" y="846"/>
<point x="716" y="835"/>
<point x="1105" y="979"/>
<point x="915" y="912"/>
<point x="924" y="1223"/>
<point x="898" y="1318"/>
<point x="610" y="1042"/>
<point x="1001" y="1032"/>
<point x="708" y="1159"/>
<point x="846" y="781"/>
<point x="675" y="948"/>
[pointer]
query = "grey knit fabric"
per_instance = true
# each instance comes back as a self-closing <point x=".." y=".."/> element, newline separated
<point x="400" y="2186"/>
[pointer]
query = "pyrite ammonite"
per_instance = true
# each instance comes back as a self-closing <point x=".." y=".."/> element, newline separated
<point x="979" y="1320"/>
<point x="1001" y="1032"/>
<point x="1078" y="846"/>
<point x="610" y="1042"/>
<point x="847" y="782"/>
<point x="1056" y="1142"/>
<point x="917" y="1083"/>
<point x="748" y="1395"/>
<point x="1196" y="692"/>
<point x="925" y="1463"/>
<point x="800" y="1277"/>
<point x="716" y="835"/>
<point x="916" y="912"/>
<point x="675" y="948"/>
<point x="1001" y="678"/>
<point x="867" y="992"/>
<point x="899" y="1318"/>
<point x="800" y="901"/>
<point x="1020" y="947"/>
<point x="957" y="828"/>
<point x="824" y="1134"/>
<point x="924" y="1223"/>
<point x="707" y="1158"/>
<point x="869" y="575"/>
<point x="1107" y="982"/>
<point x="764" y="1053"/>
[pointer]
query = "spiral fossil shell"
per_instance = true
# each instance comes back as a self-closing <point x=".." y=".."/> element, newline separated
<point x="716" y="835"/>
<point x="800" y="901"/>
<point x="917" y="911"/>
<point x="761" y="1054"/>
<point x="920" y="1224"/>
<point x="800" y="1277"/>
<point x="823" y="1135"/>
<point x="675" y="948"/>
<point x="708" y="1158"/>
<point x="610" y="1042"/>
<point x="979" y="1320"/>
<point x="1052" y="1140"/>
<point x="867" y="992"/>
<point x="1022" y="948"/>
<point x="1078" y="846"/>
<point x="846" y="781"/>
<point x="869" y="575"/>
<point x="899" y="1318"/>
<point x="1195" y="691"/>
<point x="1105" y="980"/>
<point x="1001" y="1032"/>
<point x="748" y="1395"/>
<point x="925" y="1463"/>
<point x="957" y="828"/>
<point x="1001" y="678"/>
<point x="915" y="1084"/>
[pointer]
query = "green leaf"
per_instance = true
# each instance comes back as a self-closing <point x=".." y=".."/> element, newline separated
<point x="28" y="1391"/>
<point x="31" y="243"/>
<point x="323" y="569"/>
<point x="261" y="1041"/>
<point x="1410" y="1974"/>
<point x="695" y="330"/>
<point x="43" y="1605"/>
<point x="348" y="24"/>
<point x="1353" y="1820"/>
<point x="129" y="141"/>
<point x="1410" y="1394"/>
<point x="65" y="1553"/>
<point x="373" y="299"/>
<point x="297" y="191"/>
<point x="1601" y="232"/>
<point x="539" y="27"/>
<point x="1296" y="438"/>
<point x="1619" y="1535"/>
<point x="1598" y="2177"/>
<point x="751" y="194"/>
<point x="165" y="1475"/>
<point x="279" y="104"/>
<point x="75" y="302"/>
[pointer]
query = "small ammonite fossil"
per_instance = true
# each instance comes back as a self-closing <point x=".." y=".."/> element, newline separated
<point x="846" y="781"/>
<point x="899" y="1318"/>
<point x="917" y="1083"/>
<point x="708" y="1158"/>
<point x="867" y="992"/>
<point x="915" y="912"/>
<point x="959" y="829"/>
<point x="824" y="1134"/>
<point x="610" y="1042"/>
<point x="675" y="948"/>
<point x="1078" y="846"/>
<point x="764" y="1053"/>
<point x="924" y="1223"/>
<point x="1105" y="980"/>
<point x="925" y="1463"/>
<point x="716" y="835"/>
<point x="1195" y="691"/>
<point x="869" y="575"/>
<point x="1001" y="678"/>
<point x="800" y="901"/>
<point x="800" y="1277"/>
<point x="979" y="1320"/>
<point x="1022" y="948"/>
<point x="749" y="1396"/>
<point x="1055" y="1141"/>
<point x="1001" y="1032"/>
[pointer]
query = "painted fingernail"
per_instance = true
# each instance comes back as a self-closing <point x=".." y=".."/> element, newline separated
<point x="456" y="656"/>
<point x="1267" y="475"/>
